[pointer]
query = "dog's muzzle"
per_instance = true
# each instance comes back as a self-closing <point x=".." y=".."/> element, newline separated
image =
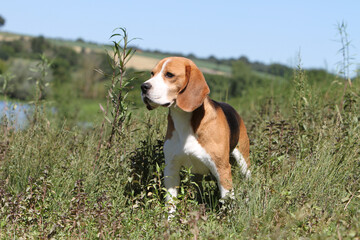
<point x="150" y="105"/>
<point x="145" y="87"/>
<point x="147" y="102"/>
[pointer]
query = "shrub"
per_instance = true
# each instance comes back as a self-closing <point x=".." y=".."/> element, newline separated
<point x="3" y="66"/>
<point x="6" y="51"/>
<point x="39" y="44"/>
<point x="22" y="85"/>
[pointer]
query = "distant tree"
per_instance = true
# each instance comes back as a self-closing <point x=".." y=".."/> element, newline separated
<point x="67" y="54"/>
<point x="60" y="70"/>
<point x="2" y="21"/>
<point x="6" y="51"/>
<point x="18" y="45"/>
<point x="212" y="58"/>
<point x="244" y="59"/>
<point x="241" y="76"/>
<point x="318" y="75"/>
<point x="80" y="40"/>
<point x="259" y="66"/>
<point x="279" y="70"/>
<point x="2" y="67"/>
<point x="38" y="44"/>
<point x="241" y="70"/>
<point x="191" y="56"/>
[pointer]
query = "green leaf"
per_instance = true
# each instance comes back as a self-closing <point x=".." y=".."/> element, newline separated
<point x="107" y="119"/>
<point x="3" y="224"/>
<point x="115" y="35"/>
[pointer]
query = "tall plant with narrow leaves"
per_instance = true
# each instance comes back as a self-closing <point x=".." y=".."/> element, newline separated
<point x="116" y="112"/>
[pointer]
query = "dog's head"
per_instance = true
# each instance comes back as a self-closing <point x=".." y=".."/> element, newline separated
<point x="175" y="80"/>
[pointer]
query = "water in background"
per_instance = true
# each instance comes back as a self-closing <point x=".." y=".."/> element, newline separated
<point x="15" y="114"/>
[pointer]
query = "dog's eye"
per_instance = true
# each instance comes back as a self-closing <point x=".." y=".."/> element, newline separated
<point x="169" y="75"/>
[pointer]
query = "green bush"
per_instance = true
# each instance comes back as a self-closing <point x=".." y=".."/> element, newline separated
<point x="61" y="70"/>
<point x="21" y="85"/>
<point x="6" y="51"/>
<point x="279" y="70"/>
<point x="39" y="44"/>
<point x="3" y="66"/>
<point x="67" y="54"/>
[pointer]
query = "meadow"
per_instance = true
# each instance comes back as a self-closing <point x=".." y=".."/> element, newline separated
<point x="62" y="180"/>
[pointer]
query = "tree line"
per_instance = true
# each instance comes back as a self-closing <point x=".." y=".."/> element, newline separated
<point x="72" y="73"/>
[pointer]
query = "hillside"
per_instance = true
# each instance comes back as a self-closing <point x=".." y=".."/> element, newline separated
<point x="145" y="60"/>
<point x="142" y="60"/>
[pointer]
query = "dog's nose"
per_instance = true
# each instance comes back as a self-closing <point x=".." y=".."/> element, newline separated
<point x="145" y="87"/>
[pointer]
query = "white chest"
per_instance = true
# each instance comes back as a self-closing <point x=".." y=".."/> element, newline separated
<point x="183" y="148"/>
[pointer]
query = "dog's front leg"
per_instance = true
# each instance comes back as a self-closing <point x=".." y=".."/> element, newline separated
<point x="172" y="182"/>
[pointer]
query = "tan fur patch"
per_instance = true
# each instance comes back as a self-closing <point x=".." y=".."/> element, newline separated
<point x="212" y="131"/>
<point x="244" y="144"/>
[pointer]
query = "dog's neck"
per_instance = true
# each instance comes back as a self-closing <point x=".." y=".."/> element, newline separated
<point x="192" y="119"/>
<point x="180" y="118"/>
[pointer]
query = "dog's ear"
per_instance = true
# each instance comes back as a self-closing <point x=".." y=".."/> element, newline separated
<point x="195" y="90"/>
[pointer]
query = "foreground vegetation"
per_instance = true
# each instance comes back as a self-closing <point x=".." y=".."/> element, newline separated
<point x="59" y="179"/>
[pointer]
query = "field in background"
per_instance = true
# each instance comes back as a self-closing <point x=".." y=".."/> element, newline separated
<point x="141" y="61"/>
<point x="60" y="177"/>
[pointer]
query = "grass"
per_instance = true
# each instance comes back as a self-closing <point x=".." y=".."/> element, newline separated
<point x="305" y="174"/>
<point x="64" y="180"/>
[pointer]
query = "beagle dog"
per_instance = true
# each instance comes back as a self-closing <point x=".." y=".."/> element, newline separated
<point x="201" y="133"/>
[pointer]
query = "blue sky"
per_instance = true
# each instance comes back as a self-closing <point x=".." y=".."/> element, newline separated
<point x="266" y="31"/>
